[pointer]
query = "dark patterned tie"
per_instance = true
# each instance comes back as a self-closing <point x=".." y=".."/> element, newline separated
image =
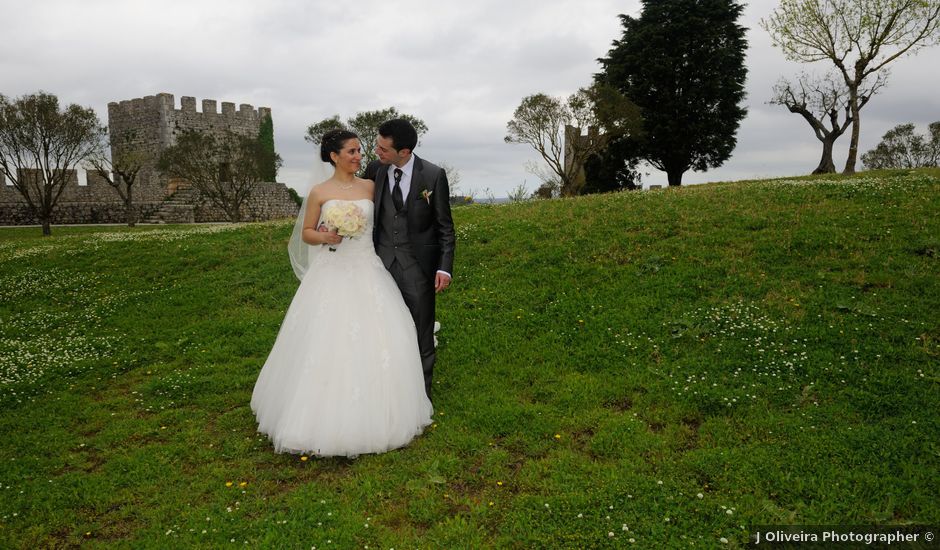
<point x="396" y="192"/>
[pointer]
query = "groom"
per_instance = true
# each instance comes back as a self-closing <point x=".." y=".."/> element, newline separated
<point x="414" y="232"/>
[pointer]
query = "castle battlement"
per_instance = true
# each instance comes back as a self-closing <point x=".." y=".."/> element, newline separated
<point x="96" y="190"/>
<point x="166" y="104"/>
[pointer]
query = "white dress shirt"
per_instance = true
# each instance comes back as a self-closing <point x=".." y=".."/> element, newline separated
<point x="407" y="170"/>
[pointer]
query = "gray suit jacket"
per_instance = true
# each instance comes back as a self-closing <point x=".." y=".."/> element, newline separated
<point x="430" y="225"/>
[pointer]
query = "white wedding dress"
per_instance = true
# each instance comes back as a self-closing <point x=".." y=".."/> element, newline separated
<point x="344" y="376"/>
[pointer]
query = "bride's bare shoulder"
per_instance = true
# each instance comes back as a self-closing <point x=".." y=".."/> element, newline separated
<point x="318" y="193"/>
<point x="366" y="183"/>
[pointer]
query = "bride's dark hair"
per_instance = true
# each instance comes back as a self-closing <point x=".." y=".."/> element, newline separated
<point x="332" y="142"/>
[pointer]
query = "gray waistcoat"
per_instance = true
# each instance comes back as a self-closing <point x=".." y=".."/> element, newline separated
<point x="394" y="243"/>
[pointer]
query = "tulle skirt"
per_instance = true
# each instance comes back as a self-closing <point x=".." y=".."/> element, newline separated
<point x="344" y="376"/>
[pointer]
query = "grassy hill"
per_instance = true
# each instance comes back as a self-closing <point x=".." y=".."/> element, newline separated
<point x="667" y="368"/>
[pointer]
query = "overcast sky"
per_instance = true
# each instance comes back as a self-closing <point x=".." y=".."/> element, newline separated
<point x="462" y="67"/>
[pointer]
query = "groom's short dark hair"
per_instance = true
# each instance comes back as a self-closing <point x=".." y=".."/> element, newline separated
<point x="403" y="134"/>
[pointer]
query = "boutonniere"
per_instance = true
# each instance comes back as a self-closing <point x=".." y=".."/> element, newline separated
<point x="426" y="195"/>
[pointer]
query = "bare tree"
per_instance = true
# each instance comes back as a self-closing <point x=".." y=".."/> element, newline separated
<point x="859" y="37"/>
<point x="544" y="122"/>
<point x="225" y="170"/>
<point x="551" y="184"/>
<point x="40" y="145"/>
<point x="118" y="164"/>
<point x="818" y="100"/>
<point x="454" y="177"/>
<point x="933" y="150"/>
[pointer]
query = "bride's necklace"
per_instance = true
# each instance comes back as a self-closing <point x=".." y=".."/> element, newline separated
<point x="345" y="187"/>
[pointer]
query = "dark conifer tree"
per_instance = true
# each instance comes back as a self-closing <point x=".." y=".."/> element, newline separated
<point x="682" y="63"/>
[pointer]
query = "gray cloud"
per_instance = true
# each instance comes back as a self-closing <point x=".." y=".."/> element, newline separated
<point x="462" y="67"/>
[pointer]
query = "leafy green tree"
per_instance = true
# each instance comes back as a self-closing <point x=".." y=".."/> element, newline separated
<point x="859" y="37"/>
<point x="900" y="147"/>
<point x="226" y="171"/>
<point x="316" y="131"/>
<point x="366" y="125"/>
<point x="266" y="139"/>
<point x="682" y="63"/>
<point x="550" y="189"/>
<point x="616" y="168"/>
<point x="40" y="145"/>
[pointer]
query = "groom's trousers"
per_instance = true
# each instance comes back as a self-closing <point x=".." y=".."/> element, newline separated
<point x="419" y="296"/>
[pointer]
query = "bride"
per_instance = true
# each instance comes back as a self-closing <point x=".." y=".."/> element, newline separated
<point x="344" y="376"/>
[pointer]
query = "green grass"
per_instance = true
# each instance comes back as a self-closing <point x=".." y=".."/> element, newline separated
<point x="673" y="367"/>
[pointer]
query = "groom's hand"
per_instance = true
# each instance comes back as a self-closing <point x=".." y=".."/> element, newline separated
<point x="441" y="281"/>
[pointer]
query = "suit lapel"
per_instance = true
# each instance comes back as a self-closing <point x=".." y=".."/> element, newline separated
<point x="381" y="182"/>
<point x="417" y="182"/>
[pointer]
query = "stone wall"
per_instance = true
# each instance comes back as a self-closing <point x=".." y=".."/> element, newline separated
<point x="269" y="201"/>
<point x="98" y="202"/>
<point x="74" y="213"/>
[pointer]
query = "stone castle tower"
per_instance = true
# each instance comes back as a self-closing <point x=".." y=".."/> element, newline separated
<point x="574" y="137"/>
<point x="151" y="124"/>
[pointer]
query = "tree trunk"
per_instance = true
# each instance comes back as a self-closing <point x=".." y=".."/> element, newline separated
<point x="46" y="227"/>
<point x="826" y="164"/>
<point x="674" y="176"/>
<point x="566" y="188"/>
<point x="856" y="130"/>
<point x="129" y="213"/>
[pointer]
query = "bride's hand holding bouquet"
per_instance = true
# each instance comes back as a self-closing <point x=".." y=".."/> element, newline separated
<point x="344" y="220"/>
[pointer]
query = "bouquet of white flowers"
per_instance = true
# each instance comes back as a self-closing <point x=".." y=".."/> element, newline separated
<point x="346" y="219"/>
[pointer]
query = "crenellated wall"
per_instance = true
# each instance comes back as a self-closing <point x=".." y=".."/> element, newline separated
<point x="97" y="190"/>
<point x="151" y="124"/>
<point x="245" y="121"/>
<point x="98" y="202"/>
